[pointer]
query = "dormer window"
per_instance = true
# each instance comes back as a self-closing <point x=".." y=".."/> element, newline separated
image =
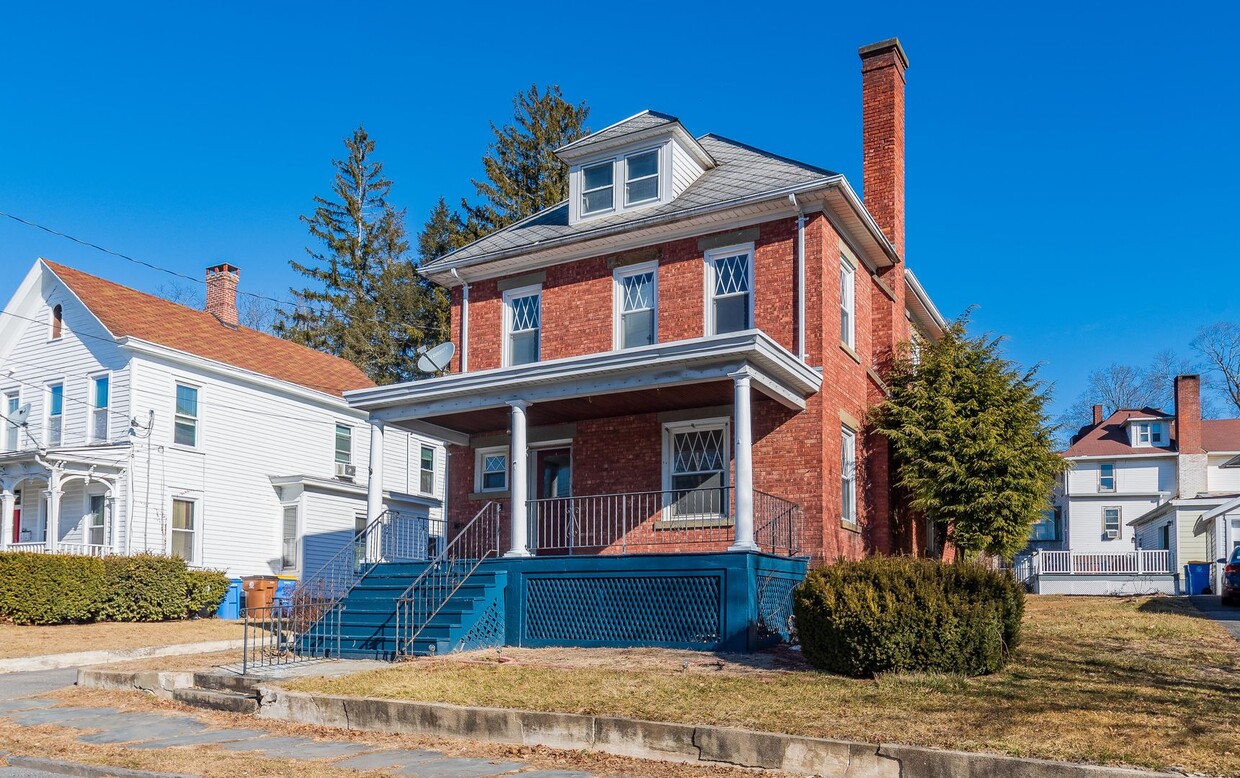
<point x="598" y="190"/>
<point x="641" y="177"/>
<point x="1148" y="433"/>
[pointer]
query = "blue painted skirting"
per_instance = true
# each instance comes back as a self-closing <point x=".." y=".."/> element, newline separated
<point x="732" y="601"/>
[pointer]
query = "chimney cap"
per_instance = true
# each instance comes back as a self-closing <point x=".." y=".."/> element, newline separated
<point x="882" y="47"/>
<point x="223" y="267"/>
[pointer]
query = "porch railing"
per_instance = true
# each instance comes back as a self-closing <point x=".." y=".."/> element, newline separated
<point x="79" y="549"/>
<point x="288" y="634"/>
<point x="447" y="572"/>
<point x="1122" y="563"/>
<point x="651" y="522"/>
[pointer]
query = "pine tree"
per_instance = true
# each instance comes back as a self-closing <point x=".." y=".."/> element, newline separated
<point x="972" y="443"/>
<point x="368" y="305"/>
<point x="523" y="174"/>
<point x="442" y="232"/>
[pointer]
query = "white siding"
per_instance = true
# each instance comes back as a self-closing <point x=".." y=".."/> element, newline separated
<point x="685" y="169"/>
<point x="1085" y="528"/>
<point x="327" y="525"/>
<point x="1132" y="476"/>
<point x="1222" y="479"/>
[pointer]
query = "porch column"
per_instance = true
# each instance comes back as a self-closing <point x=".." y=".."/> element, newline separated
<point x="7" y="499"/>
<point x="51" y="522"/>
<point x="518" y="457"/>
<point x="744" y="463"/>
<point x="374" y="473"/>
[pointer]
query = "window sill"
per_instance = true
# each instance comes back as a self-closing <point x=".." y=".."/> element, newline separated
<point x="851" y="526"/>
<point x="709" y="522"/>
<point x="478" y="496"/>
<point x="847" y="349"/>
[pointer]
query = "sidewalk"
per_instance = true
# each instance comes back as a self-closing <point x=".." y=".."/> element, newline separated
<point x="1226" y="615"/>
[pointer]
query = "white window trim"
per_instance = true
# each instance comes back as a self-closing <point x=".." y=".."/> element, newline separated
<point x="434" y="466"/>
<point x="51" y="323"/>
<point x="670" y="430"/>
<point x="658" y="176"/>
<point x="479" y="455"/>
<point x="335" y="431"/>
<point x="47" y="410"/>
<point x="299" y="533"/>
<point x="197" y="417"/>
<point x="12" y="391"/>
<point x="1157" y="425"/>
<point x="1114" y="478"/>
<point x="617" y="304"/>
<point x="619" y="161"/>
<point x="87" y="516"/>
<point x="582" y="191"/>
<point x="197" y="541"/>
<point x="849" y="303"/>
<point x="710" y="258"/>
<point x="509" y="296"/>
<point x="846" y="434"/>
<point x="1119" y="521"/>
<point x="107" y="416"/>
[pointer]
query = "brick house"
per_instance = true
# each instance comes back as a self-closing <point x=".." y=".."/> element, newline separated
<point x="680" y="357"/>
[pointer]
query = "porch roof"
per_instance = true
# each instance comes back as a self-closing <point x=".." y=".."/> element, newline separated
<point x="682" y="374"/>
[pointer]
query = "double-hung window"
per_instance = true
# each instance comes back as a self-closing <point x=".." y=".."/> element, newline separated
<point x="100" y="391"/>
<point x="1110" y="522"/>
<point x="185" y="422"/>
<point x="1046" y="528"/>
<point x="344" y="445"/>
<point x="848" y="476"/>
<point x="184" y="529"/>
<point x="491" y="467"/>
<point x="598" y="188"/>
<point x="96" y="513"/>
<point x="289" y="542"/>
<point x="426" y="470"/>
<point x="1143" y="434"/>
<point x="522" y="324"/>
<point x="729" y="289"/>
<point x="848" y="302"/>
<point x="636" y="305"/>
<point x="12" y="432"/>
<point x="641" y="177"/>
<point x="696" y="475"/>
<point x="1106" y="477"/>
<point x="1156" y="434"/>
<point x="55" y="413"/>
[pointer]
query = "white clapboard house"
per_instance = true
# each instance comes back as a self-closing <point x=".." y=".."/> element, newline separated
<point x="133" y="424"/>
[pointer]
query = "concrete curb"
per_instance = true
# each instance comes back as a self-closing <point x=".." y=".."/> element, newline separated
<point x="664" y="741"/>
<point x="84" y="770"/>
<point x="60" y="661"/>
<point x="161" y="684"/>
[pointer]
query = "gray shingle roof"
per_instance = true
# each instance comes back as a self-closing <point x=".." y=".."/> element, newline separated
<point x="742" y="171"/>
<point x="642" y="121"/>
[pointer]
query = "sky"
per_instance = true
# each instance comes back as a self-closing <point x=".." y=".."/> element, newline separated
<point x="1071" y="166"/>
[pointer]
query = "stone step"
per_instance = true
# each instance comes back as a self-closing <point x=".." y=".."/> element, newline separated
<point x="231" y="702"/>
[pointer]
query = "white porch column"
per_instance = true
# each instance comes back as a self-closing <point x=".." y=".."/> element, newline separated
<point x="518" y="479"/>
<point x="374" y="473"/>
<point x="744" y="463"/>
<point x="51" y="522"/>
<point x="6" y="517"/>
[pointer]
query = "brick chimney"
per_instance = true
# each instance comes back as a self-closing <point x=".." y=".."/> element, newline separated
<point x="882" y="128"/>
<point x="1097" y="415"/>
<point x="222" y="292"/>
<point x="1188" y="414"/>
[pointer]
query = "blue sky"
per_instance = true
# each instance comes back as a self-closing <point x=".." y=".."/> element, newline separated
<point x="1070" y="166"/>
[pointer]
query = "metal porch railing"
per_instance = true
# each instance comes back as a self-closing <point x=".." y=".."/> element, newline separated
<point x="448" y="571"/>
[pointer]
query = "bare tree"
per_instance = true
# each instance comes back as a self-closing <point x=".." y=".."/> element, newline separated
<point x="181" y="293"/>
<point x="1127" y="386"/>
<point x="253" y="311"/>
<point x="1219" y="346"/>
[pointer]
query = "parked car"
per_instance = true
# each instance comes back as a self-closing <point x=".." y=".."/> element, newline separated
<point x="1231" y="577"/>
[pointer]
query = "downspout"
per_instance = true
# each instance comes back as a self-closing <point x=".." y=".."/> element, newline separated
<point x="800" y="261"/>
<point x="464" y="321"/>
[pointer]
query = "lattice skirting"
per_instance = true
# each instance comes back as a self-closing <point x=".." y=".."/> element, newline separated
<point x="775" y="605"/>
<point x="488" y="631"/>
<point x="641" y="610"/>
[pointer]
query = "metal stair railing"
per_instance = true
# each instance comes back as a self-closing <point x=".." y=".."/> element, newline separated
<point x="448" y="571"/>
<point x="776" y="524"/>
<point x="308" y="626"/>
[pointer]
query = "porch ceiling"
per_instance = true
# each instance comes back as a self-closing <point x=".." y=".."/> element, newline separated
<point x="670" y="376"/>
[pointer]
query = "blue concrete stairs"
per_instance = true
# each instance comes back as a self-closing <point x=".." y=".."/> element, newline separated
<point x="467" y="620"/>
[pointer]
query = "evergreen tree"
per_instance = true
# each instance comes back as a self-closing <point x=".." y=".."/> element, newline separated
<point x="971" y="439"/>
<point x="368" y="305"/>
<point x="442" y="232"/>
<point x="523" y="174"/>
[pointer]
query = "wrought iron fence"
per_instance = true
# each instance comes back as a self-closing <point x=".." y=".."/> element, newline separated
<point x="278" y="635"/>
<point x="654" y="522"/>
<point x="447" y="572"/>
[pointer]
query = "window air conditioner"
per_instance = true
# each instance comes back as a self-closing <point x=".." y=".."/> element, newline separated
<point x="1112" y="534"/>
<point x="344" y="470"/>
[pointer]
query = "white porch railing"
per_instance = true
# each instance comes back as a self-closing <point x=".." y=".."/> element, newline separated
<point x="79" y="549"/>
<point x="1123" y="563"/>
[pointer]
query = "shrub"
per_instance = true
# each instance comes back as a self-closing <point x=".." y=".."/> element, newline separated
<point x="204" y="591"/>
<point x="144" y="588"/>
<point x="901" y="614"/>
<point x="50" y="588"/>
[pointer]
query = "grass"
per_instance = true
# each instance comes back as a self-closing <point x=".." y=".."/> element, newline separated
<point x="1146" y="682"/>
<point x="21" y="641"/>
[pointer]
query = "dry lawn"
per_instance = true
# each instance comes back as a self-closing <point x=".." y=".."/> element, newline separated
<point x="18" y="641"/>
<point x="1146" y="682"/>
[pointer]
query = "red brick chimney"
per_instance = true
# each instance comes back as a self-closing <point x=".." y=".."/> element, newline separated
<point x="222" y="292"/>
<point x="1188" y="414"/>
<point x="882" y="126"/>
<point x="1097" y="415"/>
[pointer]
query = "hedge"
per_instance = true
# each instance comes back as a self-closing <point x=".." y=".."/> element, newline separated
<point x="901" y="614"/>
<point x="62" y="589"/>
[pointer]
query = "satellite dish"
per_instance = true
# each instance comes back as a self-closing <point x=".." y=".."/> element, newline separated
<point x="20" y="416"/>
<point x="436" y="358"/>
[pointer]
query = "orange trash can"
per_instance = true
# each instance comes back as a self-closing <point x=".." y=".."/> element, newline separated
<point x="260" y="590"/>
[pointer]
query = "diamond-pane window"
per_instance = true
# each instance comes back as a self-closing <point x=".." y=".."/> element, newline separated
<point x="731" y="297"/>
<point x="493" y="470"/>
<point x="636" y="299"/>
<point x="524" y="324"/>
<point x="698" y="471"/>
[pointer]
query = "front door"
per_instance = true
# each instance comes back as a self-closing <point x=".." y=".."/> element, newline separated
<point x="551" y="521"/>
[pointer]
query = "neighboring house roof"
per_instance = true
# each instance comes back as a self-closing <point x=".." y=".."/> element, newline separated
<point x="1220" y="434"/>
<point x="1110" y="437"/>
<point x="741" y="172"/>
<point x="129" y="313"/>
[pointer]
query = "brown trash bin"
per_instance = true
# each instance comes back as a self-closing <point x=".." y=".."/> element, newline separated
<point x="260" y="590"/>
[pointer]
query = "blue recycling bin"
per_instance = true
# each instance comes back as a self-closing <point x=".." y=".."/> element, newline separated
<point x="1197" y="577"/>
<point x="230" y="608"/>
<point x="284" y="592"/>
